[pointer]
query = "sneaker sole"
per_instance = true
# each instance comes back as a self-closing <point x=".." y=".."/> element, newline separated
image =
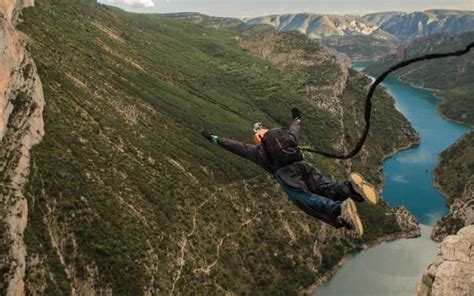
<point x="365" y="189"/>
<point x="358" y="227"/>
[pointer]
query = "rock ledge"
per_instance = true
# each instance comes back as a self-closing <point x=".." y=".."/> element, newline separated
<point x="453" y="271"/>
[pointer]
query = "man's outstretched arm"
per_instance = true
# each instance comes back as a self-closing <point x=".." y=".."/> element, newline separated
<point x="246" y="150"/>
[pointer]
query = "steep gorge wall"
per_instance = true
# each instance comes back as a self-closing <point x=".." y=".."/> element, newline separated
<point x="461" y="214"/>
<point x="453" y="270"/>
<point x="21" y="126"/>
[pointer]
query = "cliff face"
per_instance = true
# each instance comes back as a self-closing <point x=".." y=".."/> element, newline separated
<point x="21" y="126"/>
<point x="452" y="272"/>
<point x="461" y="213"/>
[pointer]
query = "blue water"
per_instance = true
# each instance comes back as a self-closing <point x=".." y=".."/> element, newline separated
<point x="394" y="268"/>
<point x="407" y="175"/>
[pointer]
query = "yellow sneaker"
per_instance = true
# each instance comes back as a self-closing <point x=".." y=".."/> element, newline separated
<point x="350" y="216"/>
<point x="364" y="188"/>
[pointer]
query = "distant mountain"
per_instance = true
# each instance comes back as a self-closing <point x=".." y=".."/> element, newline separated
<point x="204" y="20"/>
<point x="315" y="25"/>
<point x="360" y="37"/>
<point x="379" y="18"/>
<point x="419" y="24"/>
<point x="404" y="26"/>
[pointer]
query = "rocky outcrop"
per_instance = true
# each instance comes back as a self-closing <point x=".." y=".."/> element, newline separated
<point x="21" y="126"/>
<point x="407" y="222"/>
<point x="10" y="9"/>
<point x="453" y="271"/>
<point x="461" y="213"/>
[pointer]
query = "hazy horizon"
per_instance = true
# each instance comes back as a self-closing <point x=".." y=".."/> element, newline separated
<point x="249" y="8"/>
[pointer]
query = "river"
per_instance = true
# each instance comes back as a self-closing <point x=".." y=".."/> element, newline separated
<point x="394" y="268"/>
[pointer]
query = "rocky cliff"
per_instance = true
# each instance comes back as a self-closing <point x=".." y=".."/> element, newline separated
<point x="453" y="271"/>
<point x="461" y="213"/>
<point x="21" y="126"/>
<point x="461" y="210"/>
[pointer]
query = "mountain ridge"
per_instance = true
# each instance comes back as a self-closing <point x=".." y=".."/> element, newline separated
<point x="360" y="37"/>
<point x="405" y="26"/>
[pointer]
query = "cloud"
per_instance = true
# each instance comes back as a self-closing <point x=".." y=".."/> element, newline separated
<point x="420" y="156"/>
<point x="399" y="179"/>
<point x="130" y="3"/>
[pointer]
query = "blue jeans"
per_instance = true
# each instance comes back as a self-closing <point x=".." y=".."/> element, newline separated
<point x="320" y="207"/>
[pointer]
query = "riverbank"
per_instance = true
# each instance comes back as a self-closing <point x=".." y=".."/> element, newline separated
<point x="440" y="98"/>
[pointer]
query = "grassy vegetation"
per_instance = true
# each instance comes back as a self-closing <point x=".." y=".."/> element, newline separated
<point x="205" y="20"/>
<point x="20" y="104"/>
<point x="456" y="167"/>
<point x="458" y="104"/>
<point x="123" y="184"/>
<point x="453" y="175"/>
<point x="360" y="47"/>
<point x="4" y="266"/>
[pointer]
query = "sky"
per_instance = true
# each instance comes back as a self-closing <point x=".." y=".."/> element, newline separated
<point x="251" y="8"/>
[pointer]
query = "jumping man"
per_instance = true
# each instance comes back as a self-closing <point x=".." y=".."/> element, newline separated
<point x="276" y="150"/>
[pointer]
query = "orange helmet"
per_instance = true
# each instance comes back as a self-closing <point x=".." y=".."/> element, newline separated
<point x="258" y="136"/>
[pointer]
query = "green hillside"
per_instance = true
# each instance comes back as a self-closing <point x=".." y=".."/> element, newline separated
<point x="456" y="167"/>
<point x="361" y="47"/>
<point x="204" y="20"/>
<point x="125" y="196"/>
<point x="454" y="177"/>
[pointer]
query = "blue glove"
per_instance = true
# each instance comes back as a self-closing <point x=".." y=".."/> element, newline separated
<point x="206" y="134"/>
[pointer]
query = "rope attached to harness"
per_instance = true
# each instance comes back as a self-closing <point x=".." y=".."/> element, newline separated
<point x="368" y="100"/>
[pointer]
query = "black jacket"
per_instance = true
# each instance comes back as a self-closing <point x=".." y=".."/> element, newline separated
<point x="257" y="153"/>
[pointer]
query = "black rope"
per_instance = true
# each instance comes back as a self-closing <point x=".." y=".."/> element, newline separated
<point x="368" y="100"/>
